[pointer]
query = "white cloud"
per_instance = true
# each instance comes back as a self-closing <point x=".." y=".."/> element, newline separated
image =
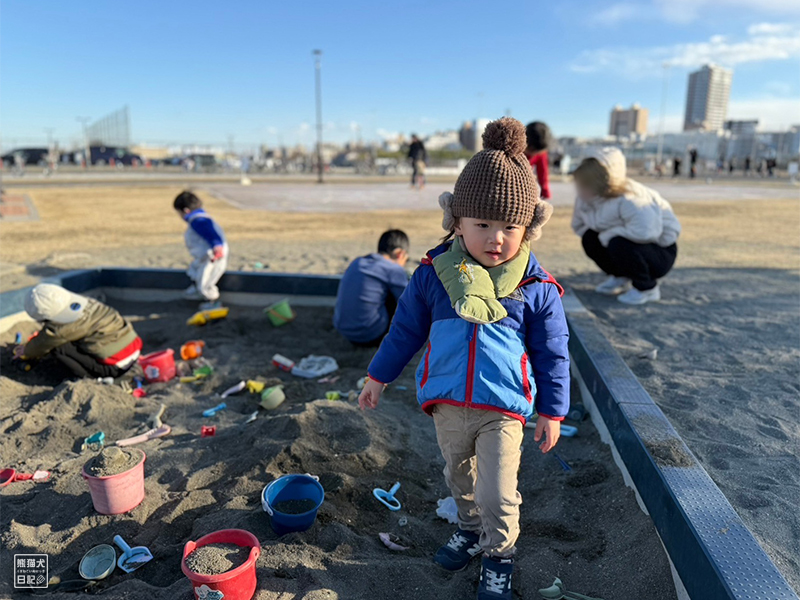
<point x="617" y="13"/>
<point x="770" y="28"/>
<point x="773" y="114"/>
<point x="643" y="62"/>
<point x="686" y="11"/>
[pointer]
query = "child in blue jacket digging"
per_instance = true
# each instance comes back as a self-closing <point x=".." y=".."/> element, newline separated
<point x="496" y="349"/>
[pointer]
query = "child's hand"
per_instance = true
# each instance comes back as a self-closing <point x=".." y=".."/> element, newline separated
<point x="370" y="394"/>
<point x="551" y="430"/>
<point x="218" y="251"/>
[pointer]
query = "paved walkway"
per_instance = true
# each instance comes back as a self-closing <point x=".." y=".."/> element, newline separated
<point x="356" y="197"/>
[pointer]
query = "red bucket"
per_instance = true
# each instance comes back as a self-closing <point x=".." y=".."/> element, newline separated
<point x="236" y="584"/>
<point x="116" y="494"/>
<point x="158" y="366"/>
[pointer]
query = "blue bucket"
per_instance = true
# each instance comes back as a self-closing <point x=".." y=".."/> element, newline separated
<point x="292" y="487"/>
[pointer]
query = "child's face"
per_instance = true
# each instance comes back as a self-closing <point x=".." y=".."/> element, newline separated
<point x="491" y="243"/>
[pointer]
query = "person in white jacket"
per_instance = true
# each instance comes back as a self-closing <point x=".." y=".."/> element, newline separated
<point x="628" y="229"/>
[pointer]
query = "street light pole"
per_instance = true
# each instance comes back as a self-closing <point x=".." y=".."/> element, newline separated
<point x="661" y="118"/>
<point x="318" y="85"/>
<point x="87" y="158"/>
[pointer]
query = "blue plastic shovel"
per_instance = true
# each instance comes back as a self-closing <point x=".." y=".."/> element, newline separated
<point x="132" y="558"/>
<point x="387" y="498"/>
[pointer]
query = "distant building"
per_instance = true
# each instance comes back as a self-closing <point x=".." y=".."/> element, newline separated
<point x="443" y="140"/>
<point x="471" y="134"/>
<point x="707" y="98"/>
<point x="742" y="127"/>
<point x="628" y="122"/>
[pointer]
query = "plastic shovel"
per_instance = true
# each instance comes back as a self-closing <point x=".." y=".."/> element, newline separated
<point x="10" y="476"/>
<point x="132" y="558"/>
<point x="146" y="437"/>
<point x="387" y="498"/>
<point x="558" y="591"/>
<point x="212" y="411"/>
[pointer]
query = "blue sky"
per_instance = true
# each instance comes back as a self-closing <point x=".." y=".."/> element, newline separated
<point x="202" y="71"/>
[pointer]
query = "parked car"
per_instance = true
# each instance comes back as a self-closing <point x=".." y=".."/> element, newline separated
<point x="202" y="163"/>
<point x="30" y="156"/>
<point x="102" y="155"/>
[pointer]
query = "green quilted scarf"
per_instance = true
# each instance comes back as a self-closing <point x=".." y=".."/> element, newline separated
<point x="473" y="289"/>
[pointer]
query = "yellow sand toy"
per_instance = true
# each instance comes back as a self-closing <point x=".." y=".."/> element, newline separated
<point x="204" y="316"/>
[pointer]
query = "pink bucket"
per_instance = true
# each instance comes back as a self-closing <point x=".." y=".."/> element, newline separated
<point x="118" y="493"/>
<point x="158" y="366"/>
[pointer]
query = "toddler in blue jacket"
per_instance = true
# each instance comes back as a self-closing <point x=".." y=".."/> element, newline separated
<point x="496" y="349"/>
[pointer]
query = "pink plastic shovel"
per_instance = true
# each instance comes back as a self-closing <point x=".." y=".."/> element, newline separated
<point x="148" y="435"/>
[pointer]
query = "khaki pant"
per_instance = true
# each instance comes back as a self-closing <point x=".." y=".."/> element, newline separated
<point x="482" y="452"/>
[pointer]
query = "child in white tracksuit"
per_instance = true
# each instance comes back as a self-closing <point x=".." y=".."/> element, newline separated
<point x="206" y="243"/>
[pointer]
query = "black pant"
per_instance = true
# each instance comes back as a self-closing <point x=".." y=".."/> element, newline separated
<point x="84" y="365"/>
<point x="391" y="307"/>
<point x="641" y="263"/>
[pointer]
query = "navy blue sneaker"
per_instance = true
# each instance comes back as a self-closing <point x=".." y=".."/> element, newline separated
<point x="495" y="583"/>
<point x="456" y="554"/>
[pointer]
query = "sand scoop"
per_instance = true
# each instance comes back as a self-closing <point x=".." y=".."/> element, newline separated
<point x="132" y="558"/>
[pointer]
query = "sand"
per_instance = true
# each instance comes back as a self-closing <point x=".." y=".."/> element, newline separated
<point x="113" y="461"/>
<point x="726" y="376"/>
<point x="294" y="507"/>
<point x="214" y="559"/>
<point x="583" y="526"/>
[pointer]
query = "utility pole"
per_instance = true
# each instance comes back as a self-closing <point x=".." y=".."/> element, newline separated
<point x="86" y="150"/>
<point x="661" y="118"/>
<point x="318" y="86"/>
<point x="49" y="131"/>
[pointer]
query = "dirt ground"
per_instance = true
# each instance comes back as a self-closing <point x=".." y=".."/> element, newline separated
<point x="82" y="227"/>
<point x="583" y="526"/>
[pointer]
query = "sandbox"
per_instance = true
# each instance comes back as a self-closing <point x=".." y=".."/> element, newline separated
<point x="584" y="526"/>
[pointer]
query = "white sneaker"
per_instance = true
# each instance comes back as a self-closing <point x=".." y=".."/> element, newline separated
<point x="613" y="286"/>
<point x="634" y="296"/>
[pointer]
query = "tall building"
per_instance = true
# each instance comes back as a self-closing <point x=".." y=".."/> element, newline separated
<point x="471" y="134"/>
<point x="627" y="122"/>
<point x="707" y="98"/>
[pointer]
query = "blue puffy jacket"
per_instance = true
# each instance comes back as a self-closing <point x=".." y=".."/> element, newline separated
<point x="501" y="366"/>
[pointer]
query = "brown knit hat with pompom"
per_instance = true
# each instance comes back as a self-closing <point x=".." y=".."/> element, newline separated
<point x="498" y="184"/>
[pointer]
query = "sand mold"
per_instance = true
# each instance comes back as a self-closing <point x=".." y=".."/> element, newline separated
<point x="214" y="559"/>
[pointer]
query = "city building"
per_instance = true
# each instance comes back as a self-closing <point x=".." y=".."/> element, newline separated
<point x="471" y="134"/>
<point x="742" y="127"/>
<point x="628" y="122"/>
<point x="707" y="98"/>
<point x="443" y="140"/>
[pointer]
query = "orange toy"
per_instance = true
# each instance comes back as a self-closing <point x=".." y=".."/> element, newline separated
<point x="192" y="350"/>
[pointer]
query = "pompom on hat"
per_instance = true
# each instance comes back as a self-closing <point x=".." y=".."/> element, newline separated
<point x="497" y="183"/>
